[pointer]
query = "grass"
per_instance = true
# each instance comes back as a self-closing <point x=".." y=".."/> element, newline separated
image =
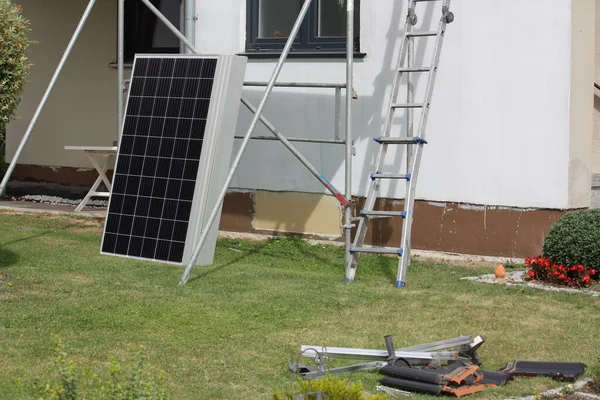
<point x="230" y="332"/>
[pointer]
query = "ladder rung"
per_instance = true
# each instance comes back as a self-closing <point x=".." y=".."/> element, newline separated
<point x="383" y="213"/>
<point x="417" y="34"/>
<point x="391" y="176"/>
<point x="423" y="1"/>
<point x="380" y="250"/>
<point x="389" y="140"/>
<point x="408" y="105"/>
<point x="415" y="69"/>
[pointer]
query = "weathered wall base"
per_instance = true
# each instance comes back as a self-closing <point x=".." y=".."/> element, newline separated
<point x="438" y="226"/>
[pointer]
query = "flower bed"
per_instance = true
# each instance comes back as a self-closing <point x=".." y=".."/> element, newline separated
<point x="542" y="269"/>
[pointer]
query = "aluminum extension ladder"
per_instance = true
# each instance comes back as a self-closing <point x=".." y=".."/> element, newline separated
<point x="418" y="140"/>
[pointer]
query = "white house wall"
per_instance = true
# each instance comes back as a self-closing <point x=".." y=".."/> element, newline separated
<point x="498" y="130"/>
<point x="499" y="125"/>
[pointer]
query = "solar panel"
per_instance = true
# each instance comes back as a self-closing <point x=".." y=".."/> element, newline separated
<point x="173" y="155"/>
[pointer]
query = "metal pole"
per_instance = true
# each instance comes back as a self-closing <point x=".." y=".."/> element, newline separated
<point x="338" y="195"/>
<point x="190" y="22"/>
<point x="120" y="60"/>
<point x="291" y="139"/>
<point x="182" y="47"/>
<point x="300" y="85"/>
<point x="349" y="142"/>
<point x="246" y="140"/>
<point x="336" y="123"/>
<point x="33" y="121"/>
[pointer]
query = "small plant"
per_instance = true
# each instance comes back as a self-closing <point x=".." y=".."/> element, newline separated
<point x="333" y="388"/>
<point x="541" y="268"/>
<point x="569" y="389"/>
<point x="573" y="240"/>
<point x="140" y="382"/>
<point x="595" y="376"/>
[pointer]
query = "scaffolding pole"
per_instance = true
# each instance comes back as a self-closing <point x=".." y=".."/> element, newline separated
<point x="349" y="92"/>
<point x="120" y="62"/>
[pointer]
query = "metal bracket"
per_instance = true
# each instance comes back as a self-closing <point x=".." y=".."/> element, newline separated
<point x="125" y="85"/>
<point x="392" y="391"/>
<point x="412" y="17"/>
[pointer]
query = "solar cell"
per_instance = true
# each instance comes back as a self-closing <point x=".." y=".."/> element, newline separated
<point x="159" y="156"/>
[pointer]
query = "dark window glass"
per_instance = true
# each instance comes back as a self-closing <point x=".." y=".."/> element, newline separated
<point x="144" y="33"/>
<point x="269" y="23"/>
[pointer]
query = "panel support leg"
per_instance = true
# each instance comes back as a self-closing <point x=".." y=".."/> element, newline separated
<point x="261" y="106"/>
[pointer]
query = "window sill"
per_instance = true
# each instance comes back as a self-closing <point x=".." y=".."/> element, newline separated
<point x="299" y="54"/>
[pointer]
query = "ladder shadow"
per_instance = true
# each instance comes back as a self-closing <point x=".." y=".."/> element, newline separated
<point x="216" y="268"/>
<point x="381" y="231"/>
<point x="300" y="246"/>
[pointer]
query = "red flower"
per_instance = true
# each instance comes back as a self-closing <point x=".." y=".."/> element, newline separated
<point x="528" y="260"/>
<point x="531" y="274"/>
<point x="562" y="276"/>
<point x="592" y="272"/>
<point x="586" y="278"/>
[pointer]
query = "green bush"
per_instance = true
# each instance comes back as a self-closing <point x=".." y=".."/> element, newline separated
<point x="140" y="381"/>
<point x="575" y="239"/>
<point x="333" y="388"/>
<point x="14" y="64"/>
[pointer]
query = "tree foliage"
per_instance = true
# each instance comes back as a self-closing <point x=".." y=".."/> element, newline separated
<point x="14" y="64"/>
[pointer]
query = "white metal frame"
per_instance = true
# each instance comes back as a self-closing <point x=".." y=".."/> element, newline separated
<point x="187" y="39"/>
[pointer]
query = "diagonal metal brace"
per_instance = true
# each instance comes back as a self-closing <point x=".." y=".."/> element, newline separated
<point x="338" y="195"/>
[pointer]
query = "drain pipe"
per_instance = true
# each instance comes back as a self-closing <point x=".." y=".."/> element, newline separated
<point x="190" y="23"/>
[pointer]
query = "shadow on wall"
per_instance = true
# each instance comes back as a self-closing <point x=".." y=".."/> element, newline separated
<point x="268" y="165"/>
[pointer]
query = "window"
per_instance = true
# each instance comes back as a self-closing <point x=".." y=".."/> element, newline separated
<point x="269" y="23"/>
<point x="144" y="33"/>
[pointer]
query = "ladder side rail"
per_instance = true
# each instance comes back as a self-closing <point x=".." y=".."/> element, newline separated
<point x="372" y="188"/>
<point x="410" y="197"/>
<point x="409" y="116"/>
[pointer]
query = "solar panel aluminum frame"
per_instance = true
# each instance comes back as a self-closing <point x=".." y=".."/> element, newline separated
<point x="221" y="125"/>
<point x="215" y="156"/>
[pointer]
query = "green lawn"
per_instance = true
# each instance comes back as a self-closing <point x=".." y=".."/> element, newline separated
<point x="229" y="333"/>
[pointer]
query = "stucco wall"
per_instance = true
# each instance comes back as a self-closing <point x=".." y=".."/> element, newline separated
<point x="500" y="111"/>
<point x="498" y="129"/>
<point x="82" y="108"/>
<point x="581" y="103"/>
<point x="596" y="143"/>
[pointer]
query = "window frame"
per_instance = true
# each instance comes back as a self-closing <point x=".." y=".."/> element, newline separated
<point x="306" y="40"/>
